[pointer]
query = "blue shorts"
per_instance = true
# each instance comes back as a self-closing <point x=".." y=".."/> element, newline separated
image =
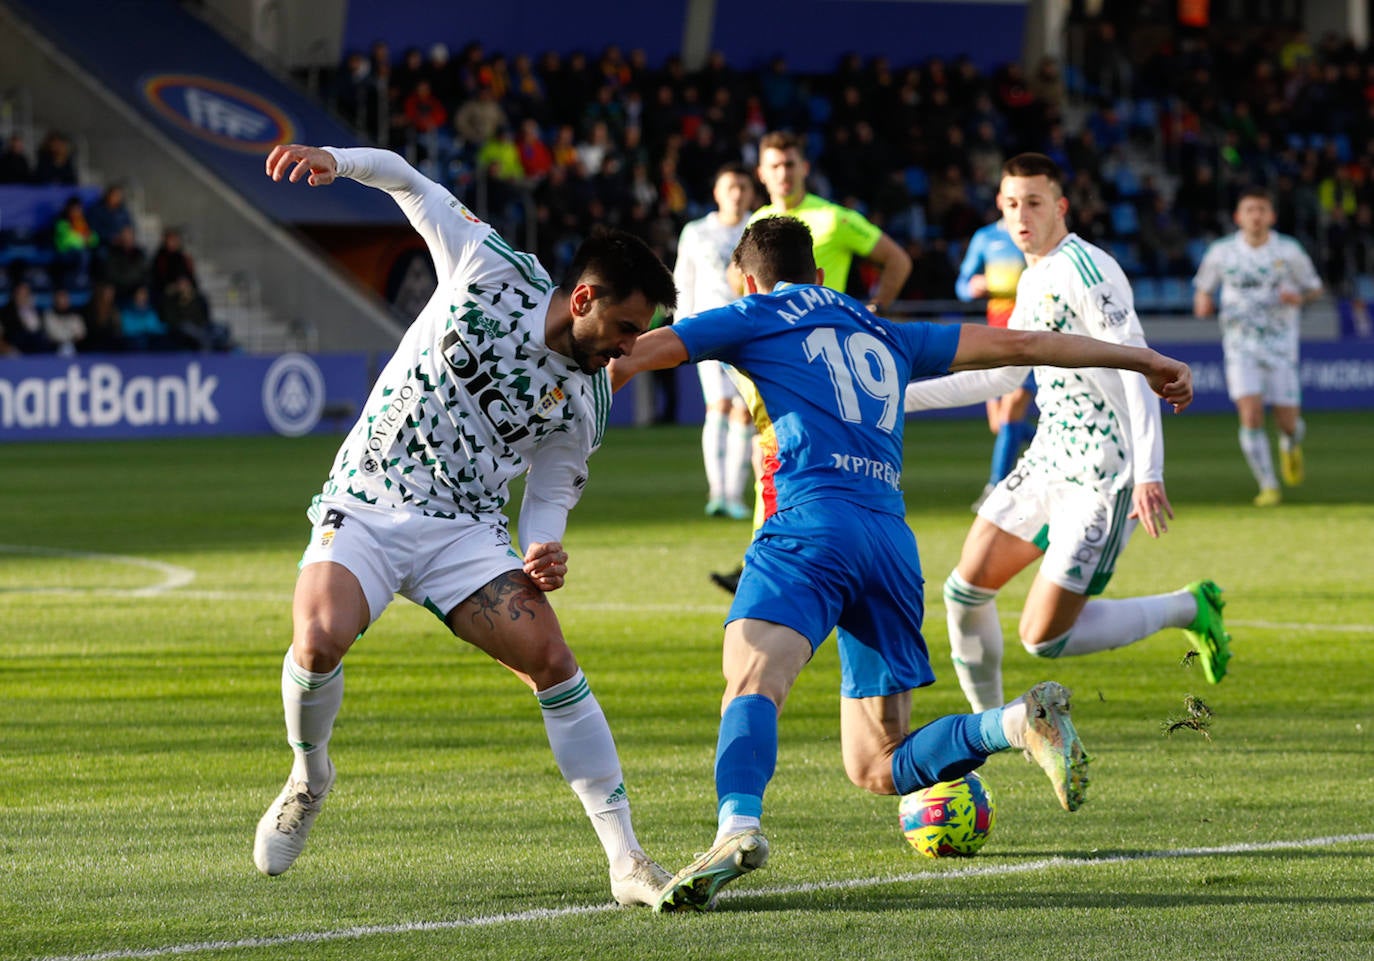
<point x="828" y="564"/>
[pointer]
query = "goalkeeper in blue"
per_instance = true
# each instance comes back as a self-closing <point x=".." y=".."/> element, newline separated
<point x="834" y="549"/>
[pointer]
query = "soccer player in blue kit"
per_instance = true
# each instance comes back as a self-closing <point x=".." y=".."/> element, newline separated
<point x="835" y="549"/>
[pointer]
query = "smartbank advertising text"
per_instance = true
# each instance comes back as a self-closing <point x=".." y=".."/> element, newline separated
<point x="179" y="395"/>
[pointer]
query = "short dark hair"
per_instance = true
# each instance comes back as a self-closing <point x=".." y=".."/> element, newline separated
<point x="1034" y="165"/>
<point x="1255" y="193"/>
<point x="621" y="264"/>
<point x="733" y="168"/>
<point x="783" y="140"/>
<point x="777" y="249"/>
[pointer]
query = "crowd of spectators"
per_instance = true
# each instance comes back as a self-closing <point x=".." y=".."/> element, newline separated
<point x="82" y="283"/>
<point x="1157" y="137"/>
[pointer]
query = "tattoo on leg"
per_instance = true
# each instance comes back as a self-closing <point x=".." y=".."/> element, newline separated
<point x="509" y="597"/>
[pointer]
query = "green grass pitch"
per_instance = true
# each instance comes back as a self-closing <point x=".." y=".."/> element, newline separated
<point x="144" y="594"/>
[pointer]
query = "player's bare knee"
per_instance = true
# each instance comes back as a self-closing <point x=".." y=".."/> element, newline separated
<point x="873" y="774"/>
<point x="318" y="648"/>
<point x="548" y="661"/>
<point x="1037" y="645"/>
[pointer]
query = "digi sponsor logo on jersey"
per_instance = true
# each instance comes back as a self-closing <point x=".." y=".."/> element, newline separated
<point x="387" y="425"/>
<point x="889" y="474"/>
<point x="483" y="387"/>
<point x="100" y="396"/>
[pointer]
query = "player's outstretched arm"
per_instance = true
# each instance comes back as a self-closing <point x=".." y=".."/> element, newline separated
<point x="294" y="161"/>
<point x="997" y="347"/>
<point x="659" y="349"/>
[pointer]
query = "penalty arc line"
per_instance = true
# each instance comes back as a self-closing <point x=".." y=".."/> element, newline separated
<point x="544" y="914"/>
<point x="173" y="575"/>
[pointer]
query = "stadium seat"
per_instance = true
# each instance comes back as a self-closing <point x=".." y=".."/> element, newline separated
<point x="820" y="108"/>
<point x="1176" y="295"/>
<point x="1127" y="255"/>
<point x="1125" y="219"/>
<point x="917" y="181"/>
<point x="1126" y="181"/>
<point x="1197" y="249"/>
<point x="1148" y="298"/>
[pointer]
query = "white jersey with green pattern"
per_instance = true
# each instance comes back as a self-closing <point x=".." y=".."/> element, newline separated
<point x="1098" y="427"/>
<point x="1254" y="322"/>
<point x="473" y="396"/>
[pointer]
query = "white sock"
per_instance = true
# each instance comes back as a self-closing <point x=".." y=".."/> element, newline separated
<point x="1288" y="441"/>
<point x="1254" y="444"/>
<point x="975" y="641"/>
<point x="1014" y="722"/>
<point x="1105" y="624"/>
<point x="734" y="824"/>
<point x="712" y="452"/>
<point x="738" y="472"/>
<point x="585" y="751"/>
<point x="312" y="702"/>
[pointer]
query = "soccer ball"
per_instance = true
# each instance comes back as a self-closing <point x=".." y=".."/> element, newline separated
<point x="949" y="819"/>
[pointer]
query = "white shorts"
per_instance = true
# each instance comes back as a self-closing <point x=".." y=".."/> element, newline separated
<point x="1081" y="530"/>
<point x="436" y="562"/>
<point x="1275" y="379"/>
<point x="716" y="384"/>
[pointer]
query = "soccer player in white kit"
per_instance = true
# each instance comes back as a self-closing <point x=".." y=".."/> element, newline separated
<point x="1094" y="469"/>
<point x="501" y="374"/>
<point x="1264" y="277"/>
<point x="702" y="276"/>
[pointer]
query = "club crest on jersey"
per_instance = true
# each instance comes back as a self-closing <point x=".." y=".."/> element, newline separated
<point x="551" y="401"/>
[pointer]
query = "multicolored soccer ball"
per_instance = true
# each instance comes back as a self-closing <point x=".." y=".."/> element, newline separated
<point x="949" y="819"/>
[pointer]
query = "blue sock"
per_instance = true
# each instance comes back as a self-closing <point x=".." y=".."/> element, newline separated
<point x="1010" y="439"/>
<point x="746" y="755"/>
<point x="945" y="749"/>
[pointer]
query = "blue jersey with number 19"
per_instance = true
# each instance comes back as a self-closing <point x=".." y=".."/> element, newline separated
<point x="830" y="378"/>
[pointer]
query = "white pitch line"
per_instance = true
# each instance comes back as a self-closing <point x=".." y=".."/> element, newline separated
<point x="544" y="914"/>
<point x="173" y="575"/>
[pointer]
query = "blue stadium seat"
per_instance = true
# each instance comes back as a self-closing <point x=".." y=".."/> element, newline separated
<point x="1147" y="295"/>
<point x="917" y="181"/>
<point x="1197" y="249"/>
<point x="1126" y="181"/>
<point x="819" y="107"/>
<point x="1127" y="255"/>
<point x="1176" y="294"/>
<point x="1125" y="219"/>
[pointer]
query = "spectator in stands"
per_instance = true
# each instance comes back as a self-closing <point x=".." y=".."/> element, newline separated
<point x="22" y="323"/>
<point x="63" y="324"/>
<point x="109" y="215"/>
<point x="104" y="325"/>
<point x="56" y="161"/>
<point x="171" y="263"/>
<point x="535" y="157"/>
<point x="592" y="150"/>
<point x="142" y="328"/>
<point x="73" y="241"/>
<point x="442" y="74"/>
<point x="186" y="315"/>
<point x="477" y="119"/>
<point x="355" y="94"/>
<point x="124" y="264"/>
<point x="15" y="167"/>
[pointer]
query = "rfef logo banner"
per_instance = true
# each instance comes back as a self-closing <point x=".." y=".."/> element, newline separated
<point x="223" y="113"/>
<point x="179" y="395"/>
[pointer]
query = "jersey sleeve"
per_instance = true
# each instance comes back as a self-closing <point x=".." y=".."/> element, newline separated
<point x="712" y="334"/>
<point x="1208" y="276"/>
<point x="972" y="264"/>
<point x="553" y="485"/>
<point x="855" y="232"/>
<point x="448" y="228"/>
<point x="1304" y="273"/>
<point x="1147" y="428"/>
<point x="684" y="271"/>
